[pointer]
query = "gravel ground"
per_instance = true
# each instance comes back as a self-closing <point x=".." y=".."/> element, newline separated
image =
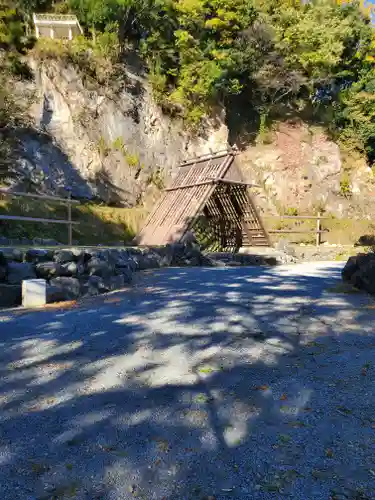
<point x="250" y="383"/>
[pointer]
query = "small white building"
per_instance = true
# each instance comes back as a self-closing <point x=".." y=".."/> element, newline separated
<point x="59" y="26"/>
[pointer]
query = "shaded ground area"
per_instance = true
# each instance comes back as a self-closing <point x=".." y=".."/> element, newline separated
<point x="198" y="383"/>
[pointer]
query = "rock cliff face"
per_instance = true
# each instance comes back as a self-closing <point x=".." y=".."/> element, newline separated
<point x="302" y="169"/>
<point x="117" y="146"/>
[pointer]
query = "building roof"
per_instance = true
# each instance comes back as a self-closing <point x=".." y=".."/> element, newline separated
<point x="57" y="19"/>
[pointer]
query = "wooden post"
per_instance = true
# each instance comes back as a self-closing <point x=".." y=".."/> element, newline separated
<point x="70" y="226"/>
<point x="318" y="240"/>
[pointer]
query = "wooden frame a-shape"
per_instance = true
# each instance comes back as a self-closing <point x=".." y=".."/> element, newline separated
<point x="209" y="186"/>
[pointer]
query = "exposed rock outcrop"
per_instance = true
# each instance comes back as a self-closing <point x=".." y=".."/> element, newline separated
<point x="300" y="168"/>
<point x="116" y="144"/>
<point x="99" y="142"/>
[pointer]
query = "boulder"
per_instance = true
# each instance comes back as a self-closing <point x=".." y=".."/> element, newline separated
<point x="72" y="269"/>
<point x="94" y="285"/>
<point x="116" y="282"/>
<point x="100" y="255"/>
<point x="63" y="256"/>
<point x="37" y="255"/>
<point x="364" y="277"/>
<point x="126" y="273"/>
<point x="48" y="270"/>
<point x="3" y="273"/>
<point x="70" y="287"/>
<point x="11" y="254"/>
<point x="353" y="265"/>
<point x="10" y="295"/>
<point x="98" y="267"/>
<point x="56" y="294"/>
<point x="19" y="271"/>
<point x="80" y="254"/>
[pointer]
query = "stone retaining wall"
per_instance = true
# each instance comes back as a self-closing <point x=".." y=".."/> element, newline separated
<point x="74" y="272"/>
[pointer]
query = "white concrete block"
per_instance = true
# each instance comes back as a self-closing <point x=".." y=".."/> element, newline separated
<point x="34" y="293"/>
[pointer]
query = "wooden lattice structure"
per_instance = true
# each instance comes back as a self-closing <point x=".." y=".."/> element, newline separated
<point x="209" y="196"/>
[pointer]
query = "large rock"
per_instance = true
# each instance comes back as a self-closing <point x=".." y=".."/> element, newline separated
<point x="94" y="285"/>
<point x="19" y="271"/>
<point x="56" y="294"/>
<point x="80" y="254"/>
<point x="364" y="277"/>
<point x="70" y="287"/>
<point x="11" y="254"/>
<point x="3" y="273"/>
<point x="10" y="295"/>
<point x="48" y="270"/>
<point x="98" y="267"/>
<point x="355" y="263"/>
<point x="72" y="269"/>
<point x="118" y="282"/>
<point x="36" y="255"/>
<point x="63" y="256"/>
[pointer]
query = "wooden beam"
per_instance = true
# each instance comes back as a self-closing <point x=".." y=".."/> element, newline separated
<point x="36" y="219"/>
<point x="203" y="183"/>
<point x="297" y="231"/>
<point x="37" y="196"/>
<point x="312" y="217"/>
<point x="209" y="156"/>
<point x="236" y="183"/>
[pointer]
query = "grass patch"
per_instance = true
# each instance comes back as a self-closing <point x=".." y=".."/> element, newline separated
<point x="97" y="223"/>
<point x="340" y="231"/>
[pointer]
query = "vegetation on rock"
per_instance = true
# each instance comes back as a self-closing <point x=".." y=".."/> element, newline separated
<point x="277" y="60"/>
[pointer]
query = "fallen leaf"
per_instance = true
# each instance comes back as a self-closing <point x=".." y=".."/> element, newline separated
<point x="206" y="369"/>
<point x="284" y="438"/>
<point x="284" y="397"/>
<point x="296" y="424"/>
<point x="113" y="300"/>
<point x="343" y="409"/>
<point x="329" y="453"/>
<point x="162" y="444"/>
<point x="107" y="448"/>
<point x="262" y="388"/>
<point x="39" y="469"/>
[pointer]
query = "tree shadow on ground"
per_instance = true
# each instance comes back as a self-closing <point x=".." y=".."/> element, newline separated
<point x="195" y="383"/>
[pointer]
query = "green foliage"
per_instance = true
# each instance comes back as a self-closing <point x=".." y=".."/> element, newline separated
<point x="103" y="148"/>
<point x="291" y="211"/>
<point x="356" y="111"/>
<point x="345" y="187"/>
<point x="132" y="159"/>
<point x="97" y="59"/>
<point x="274" y="59"/>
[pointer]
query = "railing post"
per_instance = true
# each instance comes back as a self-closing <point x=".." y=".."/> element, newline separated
<point x="318" y="226"/>
<point x="70" y="226"/>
